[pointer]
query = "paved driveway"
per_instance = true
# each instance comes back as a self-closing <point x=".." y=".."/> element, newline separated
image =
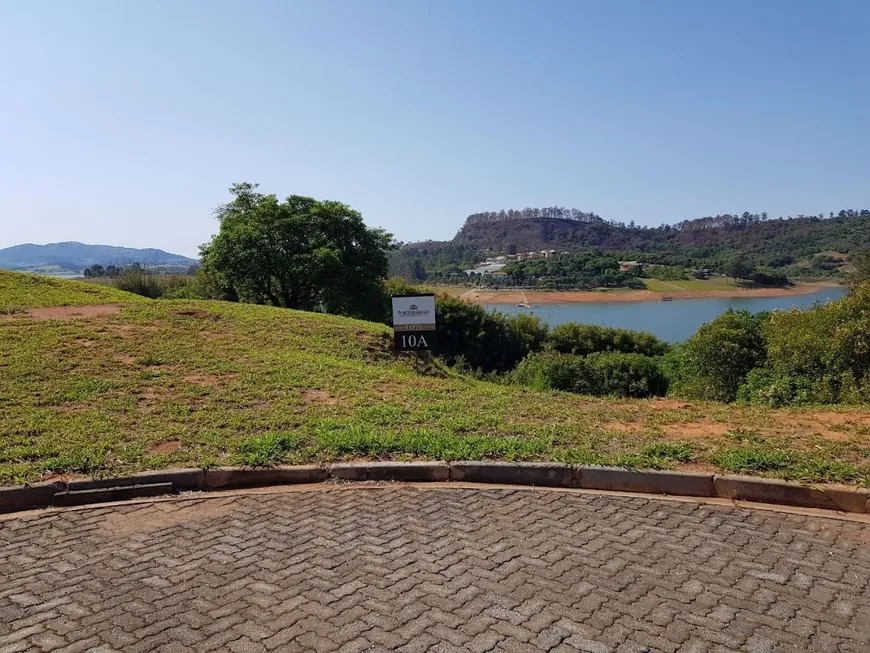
<point x="432" y="569"/>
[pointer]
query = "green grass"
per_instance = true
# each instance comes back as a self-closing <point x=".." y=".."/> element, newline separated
<point x="193" y="383"/>
<point x="20" y="291"/>
<point x="268" y="449"/>
<point x="715" y="283"/>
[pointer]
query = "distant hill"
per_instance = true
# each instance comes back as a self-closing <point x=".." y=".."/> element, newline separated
<point x="75" y="257"/>
<point x="814" y="246"/>
<point x="572" y="230"/>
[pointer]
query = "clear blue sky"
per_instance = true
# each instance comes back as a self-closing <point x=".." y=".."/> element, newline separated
<point x="125" y="122"/>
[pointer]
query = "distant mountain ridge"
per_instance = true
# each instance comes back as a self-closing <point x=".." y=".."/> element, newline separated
<point x="75" y="257"/>
<point x="573" y="230"/>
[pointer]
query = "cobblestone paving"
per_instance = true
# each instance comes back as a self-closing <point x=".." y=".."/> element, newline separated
<point x="410" y="569"/>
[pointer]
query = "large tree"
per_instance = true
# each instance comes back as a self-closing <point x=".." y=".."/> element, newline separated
<point x="301" y="253"/>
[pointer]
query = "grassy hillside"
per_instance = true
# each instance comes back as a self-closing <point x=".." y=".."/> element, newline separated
<point x="173" y="383"/>
<point x="20" y="291"/>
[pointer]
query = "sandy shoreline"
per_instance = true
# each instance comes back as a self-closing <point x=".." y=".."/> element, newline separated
<point x="606" y="296"/>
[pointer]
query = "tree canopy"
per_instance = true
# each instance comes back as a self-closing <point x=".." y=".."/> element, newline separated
<point x="302" y="253"/>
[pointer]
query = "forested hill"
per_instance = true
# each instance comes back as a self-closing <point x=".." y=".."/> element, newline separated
<point x="573" y="230"/>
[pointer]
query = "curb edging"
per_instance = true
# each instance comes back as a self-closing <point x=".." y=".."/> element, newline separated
<point x="562" y="475"/>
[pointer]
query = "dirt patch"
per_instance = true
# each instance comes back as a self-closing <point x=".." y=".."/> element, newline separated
<point x="68" y="312"/>
<point x="319" y="397"/>
<point x="696" y="430"/>
<point x="127" y="360"/>
<point x="208" y="380"/>
<point x="159" y="516"/>
<point x="834" y="426"/>
<point x="151" y="396"/>
<point x="72" y="408"/>
<point x="669" y="404"/>
<point x="203" y="315"/>
<point x="84" y="342"/>
<point x="622" y="427"/>
<point x="163" y="448"/>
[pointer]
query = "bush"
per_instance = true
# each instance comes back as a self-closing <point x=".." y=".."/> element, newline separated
<point x="201" y="285"/>
<point x="765" y="387"/>
<point x="140" y="282"/>
<point x="605" y="374"/>
<point x="767" y="277"/>
<point x="828" y="345"/>
<point x="626" y="375"/>
<point x="552" y="370"/>
<point x="487" y="341"/>
<point x="714" y="362"/>
<point x="585" y="339"/>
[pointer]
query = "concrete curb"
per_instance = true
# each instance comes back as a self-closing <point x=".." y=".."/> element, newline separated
<point x="690" y="484"/>
<point x="103" y="495"/>
<point x="771" y="490"/>
<point x="540" y="474"/>
<point x="148" y="484"/>
<point x="418" y="471"/>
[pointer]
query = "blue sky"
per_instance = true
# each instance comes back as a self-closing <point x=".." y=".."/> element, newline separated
<point x="125" y="122"/>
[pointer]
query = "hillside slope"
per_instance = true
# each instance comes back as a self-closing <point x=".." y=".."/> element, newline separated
<point x="77" y="256"/>
<point x="20" y="291"/>
<point x="193" y="383"/>
<point x="796" y="237"/>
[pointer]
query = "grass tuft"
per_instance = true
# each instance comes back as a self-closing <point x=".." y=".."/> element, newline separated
<point x="268" y="450"/>
<point x="670" y="451"/>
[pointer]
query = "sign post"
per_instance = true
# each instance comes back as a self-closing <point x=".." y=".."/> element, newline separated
<point x="414" y="323"/>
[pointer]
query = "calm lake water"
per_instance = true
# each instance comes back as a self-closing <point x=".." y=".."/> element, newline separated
<point x="671" y="321"/>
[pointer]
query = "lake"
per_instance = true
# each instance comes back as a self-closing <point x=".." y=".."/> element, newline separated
<point x="672" y="321"/>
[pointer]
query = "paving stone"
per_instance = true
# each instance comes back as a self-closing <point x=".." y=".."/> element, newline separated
<point x="412" y="569"/>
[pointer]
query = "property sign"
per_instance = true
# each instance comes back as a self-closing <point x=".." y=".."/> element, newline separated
<point x="413" y="322"/>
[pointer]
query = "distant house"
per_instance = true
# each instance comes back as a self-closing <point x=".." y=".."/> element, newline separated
<point x="487" y="269"/>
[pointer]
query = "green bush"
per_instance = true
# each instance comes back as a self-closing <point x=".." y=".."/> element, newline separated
<point x="829" y="345"/>
<point x="763" y="386"/>
<point x="625" y="375"/>
<point x="551" y="370"/>
<point x="715" y="361"/>
<point x="585" y="339"/>
<point x="768" y="277"/>
<point x="140" y="282"/>
<point x="603" y="374"/>
<point x="484" y="340"/>
<point x="201" y="285"/>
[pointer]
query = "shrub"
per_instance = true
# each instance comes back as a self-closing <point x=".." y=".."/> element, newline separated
<point x="625" y="375"/>
<point x="550" y="370"/>
<point x="487" y="341"/>
<point x="140" y="282"/>
<point x="604" y="374"/>
<point x="829" y="345"/>
<point x="585" y="339"/>
<point x="767" y="277"/>
<point x="714" y="362"/>
<point x="763" y="386"/>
